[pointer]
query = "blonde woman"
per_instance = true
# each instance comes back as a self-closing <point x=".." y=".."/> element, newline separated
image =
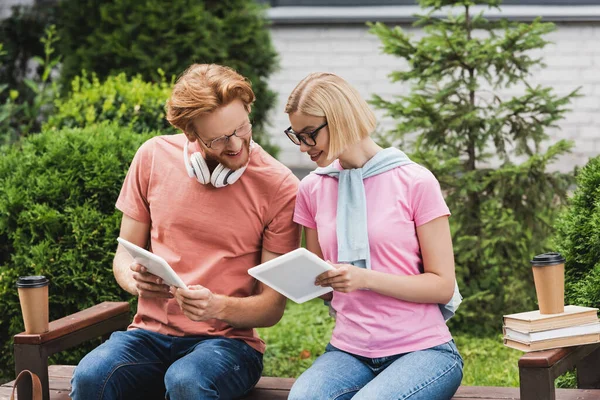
<point x="381" y="220"/>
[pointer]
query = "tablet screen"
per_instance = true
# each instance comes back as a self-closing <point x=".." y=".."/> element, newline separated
<point x="293" y="275"/>
<point x="155" y="264"/>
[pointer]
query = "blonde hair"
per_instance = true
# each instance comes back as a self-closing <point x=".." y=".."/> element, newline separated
<point x="349" y="118"/>
<point x="201" y="89"/>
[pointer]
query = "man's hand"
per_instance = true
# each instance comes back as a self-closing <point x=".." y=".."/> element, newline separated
<point x="149" y="285"/>
<point x="199" y="303"/>
<point x="344" y="278"/>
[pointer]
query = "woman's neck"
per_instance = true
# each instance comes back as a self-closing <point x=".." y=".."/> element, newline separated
<point x="357" y="155"/>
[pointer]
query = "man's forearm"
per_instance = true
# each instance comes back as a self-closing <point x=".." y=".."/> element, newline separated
<point x="257" y="311"/>
<point x="123" y="273"/>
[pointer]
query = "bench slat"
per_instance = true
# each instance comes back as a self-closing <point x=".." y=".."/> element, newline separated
<point x="270" y="388"/>
<point x="267" y="382"/>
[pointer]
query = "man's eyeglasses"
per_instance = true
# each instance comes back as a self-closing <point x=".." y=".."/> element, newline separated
<point x="221" y="142"/>
<point x="308" y="138"/>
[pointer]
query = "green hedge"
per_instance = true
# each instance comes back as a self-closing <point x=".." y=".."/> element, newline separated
<point x="578" y="239"/>
<point x="134" y="103"/>
<point x="58" y="219"/>
<point x="131" y="102"/>
<point x="141" y="37"/>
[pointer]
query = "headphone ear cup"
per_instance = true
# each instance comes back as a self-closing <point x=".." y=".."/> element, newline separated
<point x="220" y="175"/>
<point x="200" y="168"/>
<point x="235" y="175"/>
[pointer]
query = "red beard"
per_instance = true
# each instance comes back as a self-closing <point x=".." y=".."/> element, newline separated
<point x="227" y="161"/>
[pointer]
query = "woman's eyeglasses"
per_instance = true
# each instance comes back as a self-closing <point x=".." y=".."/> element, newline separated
<point x="308" y="138"/>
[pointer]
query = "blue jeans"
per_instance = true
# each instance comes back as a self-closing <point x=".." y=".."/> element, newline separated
<point x="431" y="374"/>
<point x="140" y="364"/>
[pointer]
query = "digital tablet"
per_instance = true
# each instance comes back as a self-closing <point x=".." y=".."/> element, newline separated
<point x="155" y="264"/>
<point x="293" y="275"/>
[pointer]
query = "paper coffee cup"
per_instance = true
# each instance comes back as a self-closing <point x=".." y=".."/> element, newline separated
<point x="549" y="278"/>
<point x="33" y="296"/>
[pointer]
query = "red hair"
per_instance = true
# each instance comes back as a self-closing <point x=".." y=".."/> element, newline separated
<point x="201" y="89"/>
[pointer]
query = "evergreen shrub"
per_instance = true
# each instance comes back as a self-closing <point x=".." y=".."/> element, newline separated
<point x="58" y="219"/>
<point x="578" y="239"/>
<point x="133" y="102"/>
<point x="143" y="37"/>
<point x="490" y="150"/>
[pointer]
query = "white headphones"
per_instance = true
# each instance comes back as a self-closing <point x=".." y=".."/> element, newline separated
<point x="222" y="176"/>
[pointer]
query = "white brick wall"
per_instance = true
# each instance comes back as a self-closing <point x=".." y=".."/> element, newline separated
<point x="572" y="60"/>
<point x="6" y="5"/>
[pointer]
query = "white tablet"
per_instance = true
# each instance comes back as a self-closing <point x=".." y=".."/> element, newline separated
<point x="293" y="275"/>
<point x="155" y="264"/>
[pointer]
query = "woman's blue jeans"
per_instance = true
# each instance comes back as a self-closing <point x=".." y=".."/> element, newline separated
<point x="431" y="374"/>
<point x="140" y="364"/>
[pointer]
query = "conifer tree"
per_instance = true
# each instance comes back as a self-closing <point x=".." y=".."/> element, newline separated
<point x="489" y="150"/>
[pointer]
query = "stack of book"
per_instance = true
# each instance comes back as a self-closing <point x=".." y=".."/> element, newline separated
<point x="532" y="331"/>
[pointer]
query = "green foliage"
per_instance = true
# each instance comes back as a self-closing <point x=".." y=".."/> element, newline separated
<point x="487" y="361"/>
<point x="8" y="108"/>
<point x="21" y="33"/>
<point x="141" y="37"/>
<point x="22" y="115"/>
<point x="58" y="219"/>
<point x="458" y="122"/>
<point x="131" y="102"/>
<point x="578" y="238"/>
<point x="300" y="337"/>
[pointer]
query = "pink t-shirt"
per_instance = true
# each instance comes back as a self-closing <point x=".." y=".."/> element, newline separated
<point x="367" y="323"/>
<point x="210" y="236"/>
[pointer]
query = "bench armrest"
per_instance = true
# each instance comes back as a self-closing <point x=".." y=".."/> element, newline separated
<point x="100" y="318"/>
<point x="562" y="359"/>
<point x="32" y="350"/>
<point x="539" y="369"/>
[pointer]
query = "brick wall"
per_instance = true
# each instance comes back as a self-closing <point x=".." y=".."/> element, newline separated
<point x="572" y="60"/>
<point x="6" y="5"/>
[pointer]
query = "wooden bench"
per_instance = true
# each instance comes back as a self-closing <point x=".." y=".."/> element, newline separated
<point x="537" y="370"/>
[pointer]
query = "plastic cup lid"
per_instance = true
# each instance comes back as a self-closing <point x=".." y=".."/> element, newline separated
<point x="32" y="281"/>
<point x="547" y="259"/>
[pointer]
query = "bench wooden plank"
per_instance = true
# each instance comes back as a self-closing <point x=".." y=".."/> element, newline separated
<point x="512" y="393"/>
<point x="6" y="391"/>
<point x="543" y="358"/>
<point x="75" y="322"/>
<point x="547" y="358"/>
<point x="277" y="389"/>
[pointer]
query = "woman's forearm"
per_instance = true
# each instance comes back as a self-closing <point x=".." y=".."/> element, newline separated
<point x="423" y="288"/>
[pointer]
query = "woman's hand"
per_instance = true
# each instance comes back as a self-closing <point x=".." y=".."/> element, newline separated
<point x="344" y="278"/>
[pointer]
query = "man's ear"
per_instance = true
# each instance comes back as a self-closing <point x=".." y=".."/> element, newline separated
<point x="190" y="136"/>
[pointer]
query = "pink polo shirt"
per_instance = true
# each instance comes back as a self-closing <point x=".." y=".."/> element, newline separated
<point x="370" y="324"/>
<point x="209" y="236"/>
